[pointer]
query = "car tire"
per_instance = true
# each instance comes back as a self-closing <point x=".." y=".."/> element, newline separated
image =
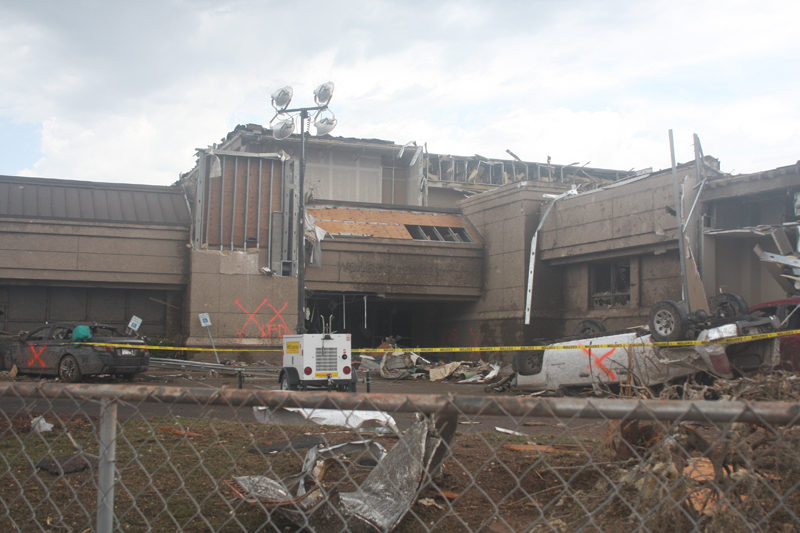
<point x="588" y="327"/>
<point x="353" y="386"/>
<point x="668" y="322"/>
<point x="528" y="362"/>
<point x="68" y="370"/>
<point x="728" y="305"/>
<point x="285" y="385"/>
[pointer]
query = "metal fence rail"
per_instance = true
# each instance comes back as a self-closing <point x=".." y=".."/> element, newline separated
<point x="155" y="458"/>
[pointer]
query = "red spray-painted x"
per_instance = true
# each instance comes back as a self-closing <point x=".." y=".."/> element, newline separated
<point x="36" y="356"/>
<point x="280" y="327"/>
<point x="252" y="317"/>
<point x="599" y="362"/>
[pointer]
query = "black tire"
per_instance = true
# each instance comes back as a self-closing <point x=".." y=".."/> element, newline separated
<point x="528" y="362"/>
<point x="353" y="386"/>
<point x="588" y="327"/>
<point x="668" y="322"/>
<point x="728" y="305"/>
<point x="285" y="385"/>
<point x="69" y="371"/>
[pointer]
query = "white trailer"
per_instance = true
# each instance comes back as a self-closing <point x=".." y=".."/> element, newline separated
<point x="318" y="360"/>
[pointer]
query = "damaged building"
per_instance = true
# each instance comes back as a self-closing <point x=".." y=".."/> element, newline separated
<point x="432" y="248"/>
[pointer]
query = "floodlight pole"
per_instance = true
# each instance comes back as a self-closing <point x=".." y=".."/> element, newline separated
<point x="301" y="220"/>
<point x="301" y="231"/>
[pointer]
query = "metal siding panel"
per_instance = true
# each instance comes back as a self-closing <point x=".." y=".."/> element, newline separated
<point x="15" y="200"/>
<point x="59" y="202"/>
<point x="67" y="304"/>
<point x="86" y="204"/>
<point x="168" y="208"/>
<point x="4" y="198"/>
<point x="27" y="304"/>
<point x="140" y="207"/>
<point x="30" y="201"/>
<point x="181" y="210"/>
<point x="114" y="205"/>
<point x="45" y="201"/>
<point x="73" y="203"/>
<point x="106" y="305"/>
<point x="153" y="208"/>
<point x="100" y="204"/>
<point x="128" y="210"/>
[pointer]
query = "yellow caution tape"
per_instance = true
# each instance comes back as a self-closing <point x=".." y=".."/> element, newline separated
<point x="463" y="349"/>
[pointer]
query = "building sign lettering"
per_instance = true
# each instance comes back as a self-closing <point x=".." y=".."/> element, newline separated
<point x="377" y="268"/>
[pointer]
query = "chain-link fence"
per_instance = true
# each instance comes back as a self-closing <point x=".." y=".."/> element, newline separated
<point x="125" y="458"/>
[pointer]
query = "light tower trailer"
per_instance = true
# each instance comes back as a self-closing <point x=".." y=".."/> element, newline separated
<point x="318" y="360"/>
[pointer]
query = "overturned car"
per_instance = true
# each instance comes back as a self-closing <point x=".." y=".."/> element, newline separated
<point x="631" y="357"/>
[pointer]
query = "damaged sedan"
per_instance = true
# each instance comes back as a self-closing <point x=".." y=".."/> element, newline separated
<point x="55" y="350"/>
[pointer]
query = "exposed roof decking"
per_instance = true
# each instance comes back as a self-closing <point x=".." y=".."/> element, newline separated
<point x="381" y="223"/>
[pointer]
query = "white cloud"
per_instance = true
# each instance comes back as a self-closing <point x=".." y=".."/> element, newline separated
<point x="125" y="92"/>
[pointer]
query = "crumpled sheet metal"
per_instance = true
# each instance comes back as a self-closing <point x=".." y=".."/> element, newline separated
<point x="326" y="417"/>
<point x="395" y="365"/>
<point x="382" y="500"/>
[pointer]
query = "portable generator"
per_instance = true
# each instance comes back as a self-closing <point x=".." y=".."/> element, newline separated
<point x="318" y="360"/>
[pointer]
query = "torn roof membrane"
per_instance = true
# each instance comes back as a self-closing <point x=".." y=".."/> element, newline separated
<point x="383" y="223"/>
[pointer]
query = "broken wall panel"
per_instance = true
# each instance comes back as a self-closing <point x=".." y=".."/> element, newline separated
<point x="237" y="210"/>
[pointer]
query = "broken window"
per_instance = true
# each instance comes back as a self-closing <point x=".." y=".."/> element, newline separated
<point x="438" y="233"/>
<point x="611" y="284"/>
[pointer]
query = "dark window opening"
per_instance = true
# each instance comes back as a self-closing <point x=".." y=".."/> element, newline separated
<point x="438" y="233"/>
<point x="611" y="284"/>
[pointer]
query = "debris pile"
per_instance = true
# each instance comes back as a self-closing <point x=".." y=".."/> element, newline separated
<point x="379" y="503"/>
<point x="394" y="363"/>
<point x="409" y="365"/>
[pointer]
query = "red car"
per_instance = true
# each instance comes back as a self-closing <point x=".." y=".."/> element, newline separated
<point x="789" y="344"/>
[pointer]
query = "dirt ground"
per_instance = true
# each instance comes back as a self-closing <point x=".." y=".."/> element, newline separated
<point x="558" y="475"/>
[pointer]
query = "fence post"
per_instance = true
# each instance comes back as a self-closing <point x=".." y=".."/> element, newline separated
<point x="107" y="465"/>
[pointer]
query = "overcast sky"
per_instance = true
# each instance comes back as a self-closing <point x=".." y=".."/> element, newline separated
<point x="125" y="91"/>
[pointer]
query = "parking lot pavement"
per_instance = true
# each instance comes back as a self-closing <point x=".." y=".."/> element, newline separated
<point x="529" y="426"/>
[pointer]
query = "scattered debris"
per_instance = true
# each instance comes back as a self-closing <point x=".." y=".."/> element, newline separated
<point x="303" y="442"/>
<point x="443" y="371"/>
<point x="398" y="365"/>
<point x="430" y="502"/>
<point x="510" y="432"/>
<point x="67" y="464"/>
<point x="328" y="417"/>
<point x="552" y="448"/>
<point x="379" y="503"/>
<point x="39" y="425"/>
<point x="180" y="432"/>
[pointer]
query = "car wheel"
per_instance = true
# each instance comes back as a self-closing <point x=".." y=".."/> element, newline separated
<point x="668" y="322"/>
<point x="285" y="385"/>
<point x="353" y="386"/>
<point x="528" y="362"/>
<point x="588" y="327"/>
<point x="728" y="305"/>
<point x="68" y="370"/>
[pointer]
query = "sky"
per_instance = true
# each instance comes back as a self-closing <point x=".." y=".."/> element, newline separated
<point x="126" y="91"/>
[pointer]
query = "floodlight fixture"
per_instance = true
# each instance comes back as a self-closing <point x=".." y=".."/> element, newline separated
<point x="282" y="98"/>
<point x="323" y="94"/>
<point x="282" y="126"/>
<point x="325" y="125"/>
